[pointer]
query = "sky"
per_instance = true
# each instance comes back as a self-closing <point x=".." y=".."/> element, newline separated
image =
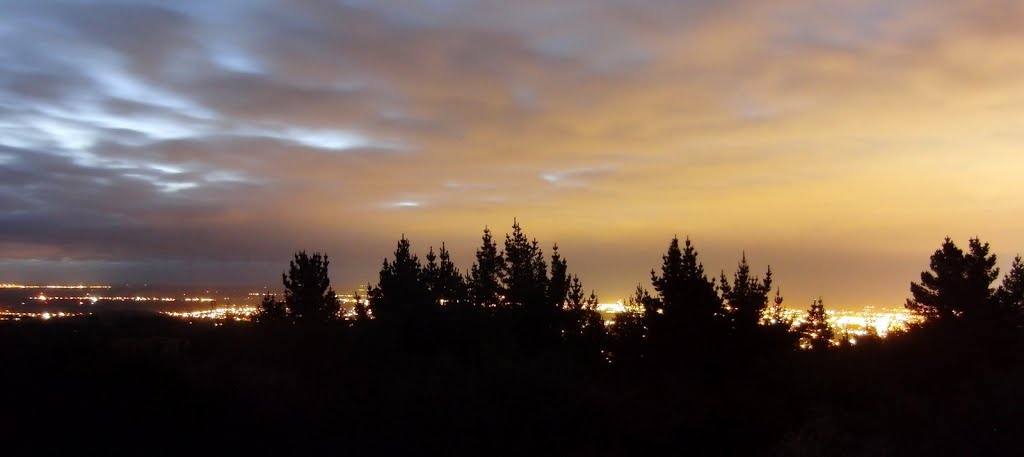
<point x="197" y="142"/>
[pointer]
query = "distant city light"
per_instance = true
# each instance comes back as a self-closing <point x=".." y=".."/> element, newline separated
<point x="237" y="313"/>
<point x="18" y="316"/>
<point x="611" y="308"/>
<point x="94" y="299"/>
<point x="845" y="323"/>
<point x="52" y="286"/>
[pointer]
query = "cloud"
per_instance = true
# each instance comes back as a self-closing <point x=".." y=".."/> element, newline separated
<point x="237" y="131"/>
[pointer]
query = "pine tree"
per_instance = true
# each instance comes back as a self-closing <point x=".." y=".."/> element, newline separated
<point x="431" y="277"/>
<point x="450" y="286"/>
<point x="271" y="309"/>
<point x="541" y="283"/>
<point x="640" y="301"/>
<point x="816" y="331"/>
<point x="525" y="271"/>
<point x="777" y="327"/>
<point x="981" y="272"/>
<point x="628" y="333"/>
<point x="538" y="323"/>
<point x="558" y="286"/>
<point x="558" y="293"/>
<point x="360" y="309"/>
<point x="401" y="293"/>
<point x="574" y="309"/>
<point x="1010" y="295"/>
<point x="687" y="300"/>
<point x="582" y="315"/>
<point x="308" y="295"/>
<point x="574" y="299"/>
<point x="591" y="320"/>
<point x="746" y="298"/>
<point x="591" y="324"/>
<point x="487" y="274"/>
<point x="776" y="314"/>
<point x="958" y="285"/>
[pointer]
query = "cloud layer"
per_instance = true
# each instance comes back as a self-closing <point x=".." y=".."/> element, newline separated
<point x="838" y="141"/>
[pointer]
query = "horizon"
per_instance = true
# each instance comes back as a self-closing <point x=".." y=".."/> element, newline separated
<point x="269" y="274"/>
<point x="188" y="144"/>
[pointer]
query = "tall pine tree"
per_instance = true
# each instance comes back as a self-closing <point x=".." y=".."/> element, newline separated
<point x="817" y="332"/>
<point x="487" y="274"/>
<point x="450" y="286"/>
<point x="431" y="277"/>
<point x="308" y="296"/>
<point x="746" y="298"/>
<point x="401" y="293"/>
<point x="526" y="276"/>
<point x="687" y="303"/>
<point x="577" y="309"/>
<point x="574" y="299"/>
<point x="1010" y="294"/>
<point x="958" y="285"/>
<point x="526" y="290"/>
<point x="558" y="286"/>
<point x="776" y="313"/>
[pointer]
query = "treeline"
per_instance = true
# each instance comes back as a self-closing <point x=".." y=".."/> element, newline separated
<point x="510" y="357"/>
<point x="515" y="290"/>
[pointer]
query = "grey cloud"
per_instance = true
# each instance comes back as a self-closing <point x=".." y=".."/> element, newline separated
<point x="87" y="212"/>
<point x="238" y="130"/>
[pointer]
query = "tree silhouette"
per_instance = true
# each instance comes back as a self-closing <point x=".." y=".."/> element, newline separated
<point x="307" y="289"/>
<point x="777" y="327"/>
<point x="431" y="276"/>
<point x="487" y="274"/>
<point x="687" y="303"/>
<point x="558" y="285"/>
<point x="565" y="296"/>
<point x="628" y="334"/>
<point x="526" y="276"/>
<point x="958" y="284"/>
<point x="582" y="317"/>
<point x="776" y="313"/>
<point x="746" y="298"/>
<point x="526" y="290"/>
<point x="271" y="309"/>
<point x="574" y="298"/>
<point x="450" y="286"/>
<point x="816" y="331"/>
<point x="591" y="322"/>
<point x="1010" y="295"/>
<point x="360" y="310"/>
<point x="401" y="293"/>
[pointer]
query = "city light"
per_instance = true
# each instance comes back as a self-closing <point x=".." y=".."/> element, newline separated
<point x="851" y="324"/>
<point x="845" y="323"/>
<point x="18" y="316"/>
<point x="611" y="308"/>
<point x="237" y="313"/>
<point x="94" y="299"/>
<point x="52" y="286"/>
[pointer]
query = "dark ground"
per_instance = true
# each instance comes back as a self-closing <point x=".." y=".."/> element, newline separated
<point x="143" y="384"/>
